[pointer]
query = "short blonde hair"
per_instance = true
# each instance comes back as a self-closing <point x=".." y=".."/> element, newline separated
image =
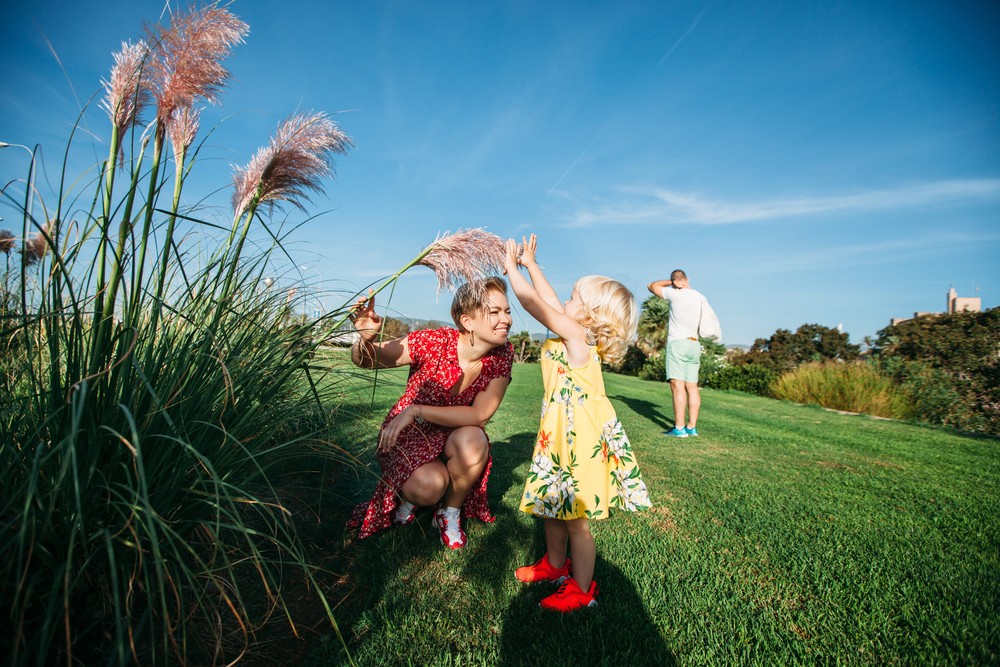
<point x="610" y="314"/>
<point x="473" y="297"/>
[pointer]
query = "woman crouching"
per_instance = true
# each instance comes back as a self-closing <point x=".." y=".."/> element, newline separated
<point x="432" y="447"/>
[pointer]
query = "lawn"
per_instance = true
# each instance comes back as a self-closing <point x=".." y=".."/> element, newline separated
<point x="782" y="535"/>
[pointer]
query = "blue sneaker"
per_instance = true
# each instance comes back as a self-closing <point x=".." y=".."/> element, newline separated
<point x="677" y="433"/>
<point x="692" y="431"/>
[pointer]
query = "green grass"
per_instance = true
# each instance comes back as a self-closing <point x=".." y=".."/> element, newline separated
<point x="783" y="535"/>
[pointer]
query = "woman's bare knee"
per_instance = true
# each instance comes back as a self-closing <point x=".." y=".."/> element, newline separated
<point x="427" y="484"/>
<point x="468" y="444"/>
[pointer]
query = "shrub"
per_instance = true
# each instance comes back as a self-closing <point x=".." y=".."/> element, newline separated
<point x="749" y="378"/>
<point x="633" y="362"/>
<point x="933" y="392"/>
<point x="713" y="360"/>
<point x="854" y="387"/>
<point x="948" y="358"/>
<point x="654" y="368"/>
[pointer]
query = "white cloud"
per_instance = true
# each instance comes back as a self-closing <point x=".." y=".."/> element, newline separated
<point x="661" y="206"/>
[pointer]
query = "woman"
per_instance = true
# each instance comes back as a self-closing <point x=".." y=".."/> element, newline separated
<point x="432" y="448"/>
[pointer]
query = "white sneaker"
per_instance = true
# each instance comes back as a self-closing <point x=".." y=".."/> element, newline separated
<point x="404" y="513"/>
<point x="449" y="521"/>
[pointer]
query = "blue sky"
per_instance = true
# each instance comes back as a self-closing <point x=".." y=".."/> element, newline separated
<point x="808" y="161"/>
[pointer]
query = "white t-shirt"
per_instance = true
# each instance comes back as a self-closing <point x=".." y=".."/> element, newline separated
<point x="685" y="312"/>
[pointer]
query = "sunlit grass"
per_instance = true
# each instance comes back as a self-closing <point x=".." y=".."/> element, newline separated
<point x="784" y="534"/>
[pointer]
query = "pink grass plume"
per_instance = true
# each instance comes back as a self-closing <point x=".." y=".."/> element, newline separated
<point x="33" y="250"/>
<point x="127" y="91"/>
<point x="187" y="58"/>
<point x="182" y="128"/>
<point x="7" y="241"/>
<point x="298" y="157"/>
<point x="462" y="257"/>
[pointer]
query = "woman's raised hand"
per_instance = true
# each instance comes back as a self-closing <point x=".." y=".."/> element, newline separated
<point x="365" y="319"/>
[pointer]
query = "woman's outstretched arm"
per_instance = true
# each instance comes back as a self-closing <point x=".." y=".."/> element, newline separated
<point x="368" y="351"/>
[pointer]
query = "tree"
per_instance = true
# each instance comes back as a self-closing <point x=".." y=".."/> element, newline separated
<point x="963" y="342"/>
<point x="393" y="328"/>
<point x="526" y="349"/>
<point x="785" y="350"/>
<point x="962" y="351"/>
<point x="652" y="333"/>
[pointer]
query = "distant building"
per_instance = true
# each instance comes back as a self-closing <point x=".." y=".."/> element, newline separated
<point x="959" y="304"/>
<point x="956" y="304"/>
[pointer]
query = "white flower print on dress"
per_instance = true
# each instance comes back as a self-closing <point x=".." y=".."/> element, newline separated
<point x="580" y="468"/>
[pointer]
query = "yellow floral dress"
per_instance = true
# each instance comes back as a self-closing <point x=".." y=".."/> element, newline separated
<point x="583" y="464"/>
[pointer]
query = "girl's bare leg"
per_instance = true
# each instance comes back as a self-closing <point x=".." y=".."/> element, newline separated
<point x="555" y="542"/>
<point x="583" y="551"/>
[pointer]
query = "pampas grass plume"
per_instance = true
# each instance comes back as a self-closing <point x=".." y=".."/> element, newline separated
<point x="33" y="250"/>
<point x="127" y="91"/>
<point x="187" y="58"/>
<point x="463" y="257"/>
<point x="299" y="156"/>
<point x="182" y="128"/>
<point x="7" y="241"/>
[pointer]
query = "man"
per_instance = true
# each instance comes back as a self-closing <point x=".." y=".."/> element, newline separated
<point x="683" y="349"/>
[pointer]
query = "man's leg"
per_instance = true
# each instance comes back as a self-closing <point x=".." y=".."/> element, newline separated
<point x="679" y="392"/>
<point x="693" y="403"/>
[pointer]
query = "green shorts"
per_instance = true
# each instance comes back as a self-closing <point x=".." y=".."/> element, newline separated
<point x="683" y="360"/>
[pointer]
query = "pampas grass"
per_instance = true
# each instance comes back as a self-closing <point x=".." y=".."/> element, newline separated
<point x="148" y="394"/>
<point x="127" y="91"/>
<point x="848" y="386"/>
<point x="7" y="241"/>
<point x="456" y="259"/>
<point x="188" y="58"/>
<point x="294" y="163"/>
<point x="465" y="256"/>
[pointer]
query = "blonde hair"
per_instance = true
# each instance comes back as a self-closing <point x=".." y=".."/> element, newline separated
<point x="473" y="297"/>
<point x="610" y="314"/>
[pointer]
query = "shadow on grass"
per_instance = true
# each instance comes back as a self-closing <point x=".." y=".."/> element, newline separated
<point x="617" y="632"/>
<point x="649" y="410"/>
<point x="384" y="590"/>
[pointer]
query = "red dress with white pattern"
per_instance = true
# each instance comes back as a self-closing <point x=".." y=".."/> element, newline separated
<point x="433" y="372"/>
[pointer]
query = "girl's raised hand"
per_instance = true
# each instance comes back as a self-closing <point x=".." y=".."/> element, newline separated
<point x="510" y="259"/>
<point x="528" y="248"/>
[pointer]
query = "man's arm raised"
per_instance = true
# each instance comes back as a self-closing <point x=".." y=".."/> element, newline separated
<point x="656" y="287"/>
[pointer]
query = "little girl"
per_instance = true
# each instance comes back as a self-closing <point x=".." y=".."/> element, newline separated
<point x="583" y="464"/>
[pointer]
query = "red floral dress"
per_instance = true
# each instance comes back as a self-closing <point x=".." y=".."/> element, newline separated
<point x="433" y="373"/>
